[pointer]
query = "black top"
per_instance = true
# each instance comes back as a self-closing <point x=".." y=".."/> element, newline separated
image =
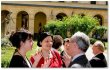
<point x="98" y="61"/>
<point x="18" y="61"/>
<point x="62" y="54"/>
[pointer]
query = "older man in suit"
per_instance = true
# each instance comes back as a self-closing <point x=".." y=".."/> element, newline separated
<point x="78" y="45"/>
<point x="99" y="59"/>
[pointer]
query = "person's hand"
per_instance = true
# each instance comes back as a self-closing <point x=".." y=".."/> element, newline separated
<point x="37" y="58"/>
<point x="66" y="59"/>
<point x="46" y="63"/>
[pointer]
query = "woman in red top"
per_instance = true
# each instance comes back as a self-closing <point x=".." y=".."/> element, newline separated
<point x="46" y="57"/>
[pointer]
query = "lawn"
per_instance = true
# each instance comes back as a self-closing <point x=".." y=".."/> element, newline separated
<point x="7" y="52"/>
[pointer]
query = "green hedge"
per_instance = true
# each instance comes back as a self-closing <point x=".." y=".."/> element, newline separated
<point x="92" y="40"/>
<point x="6" y="54"/>
<point x="71" y="24"/>
<point x="99" y="31"/>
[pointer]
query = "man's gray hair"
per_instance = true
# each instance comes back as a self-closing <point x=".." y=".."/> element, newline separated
<point x="82" y="40"/>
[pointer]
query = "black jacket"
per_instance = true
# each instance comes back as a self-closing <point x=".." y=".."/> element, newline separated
<point x="80" y="61"/>
<point x="98" y="61"/>
<point x="18" y="61"/>
<point x="62" y="54"/>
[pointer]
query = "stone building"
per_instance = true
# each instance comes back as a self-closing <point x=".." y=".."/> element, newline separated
<point x="32" y="15"/>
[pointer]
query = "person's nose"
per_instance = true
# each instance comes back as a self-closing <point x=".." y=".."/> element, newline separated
<point x="51" y="43"/>
<point x="67" y="45"/>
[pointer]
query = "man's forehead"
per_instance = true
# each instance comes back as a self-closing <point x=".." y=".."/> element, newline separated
<point x="71" y="40"/>
<point x="94" y="45"/>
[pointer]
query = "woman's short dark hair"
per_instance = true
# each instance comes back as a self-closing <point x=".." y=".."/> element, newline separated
<point x="19" y="36"/>
<point x="42" y="36"/>
<point x="57" y="41"/>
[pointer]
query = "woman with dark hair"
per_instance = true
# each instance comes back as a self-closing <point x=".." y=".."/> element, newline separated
<point x="46" y="56"/>
<point x="23" y="42"/>
<point x="57" y="42"/>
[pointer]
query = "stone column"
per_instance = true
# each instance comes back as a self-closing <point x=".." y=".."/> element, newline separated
<point x="48" y="17"/>
<point x="31" y="23"/>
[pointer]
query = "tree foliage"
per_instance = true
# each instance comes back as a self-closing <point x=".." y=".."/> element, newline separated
<point x="71" y="25"/>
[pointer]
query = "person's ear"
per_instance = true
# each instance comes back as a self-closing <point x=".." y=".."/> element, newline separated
<point x="40" y="43"/>
<point x="21" y="43"/>
<point x="75" y="44"/>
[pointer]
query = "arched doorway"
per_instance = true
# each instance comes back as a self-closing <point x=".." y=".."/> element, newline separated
<point x="60" y="16"/>
<point x="22" y="20"/>
<point x="99" y="17"/>
<point x="4" y="22"/>
<point x="39" y="22"/>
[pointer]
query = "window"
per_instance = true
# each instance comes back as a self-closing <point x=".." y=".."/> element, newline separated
<point x="93" y="2"/>
<point x="60" y="16"/>
<point x="106" y="2"/>
<point x="61" y="1"/>
<point x="99" y="19"/>
<point x="75" y="1"/>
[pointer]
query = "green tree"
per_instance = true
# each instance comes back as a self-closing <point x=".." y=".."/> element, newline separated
<point x="71" y="24"/>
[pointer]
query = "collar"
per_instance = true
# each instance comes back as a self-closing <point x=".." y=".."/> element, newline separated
<point x="76" y="56"/>
<point x="98" y="54"/>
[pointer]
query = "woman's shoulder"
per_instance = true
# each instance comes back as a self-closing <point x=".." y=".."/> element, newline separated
<point x="16" y="60"/>
<point x="55" y="52"/>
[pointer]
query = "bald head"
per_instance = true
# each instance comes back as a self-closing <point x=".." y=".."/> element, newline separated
<point x="100" y="45"/>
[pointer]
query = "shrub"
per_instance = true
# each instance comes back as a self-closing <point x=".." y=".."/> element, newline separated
<point x="92" y="40"/>
<point x="6" y="55"/>
<point x="5" y="63"/>
<point x="5" y="42"/>
<point x="71" y="24"/>
<point x="99" y="32"/>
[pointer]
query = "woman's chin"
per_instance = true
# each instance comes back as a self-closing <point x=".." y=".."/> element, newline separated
<point x="49" y="48"/>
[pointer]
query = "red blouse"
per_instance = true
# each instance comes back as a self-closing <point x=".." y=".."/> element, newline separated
<point x="55" y="62"/>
